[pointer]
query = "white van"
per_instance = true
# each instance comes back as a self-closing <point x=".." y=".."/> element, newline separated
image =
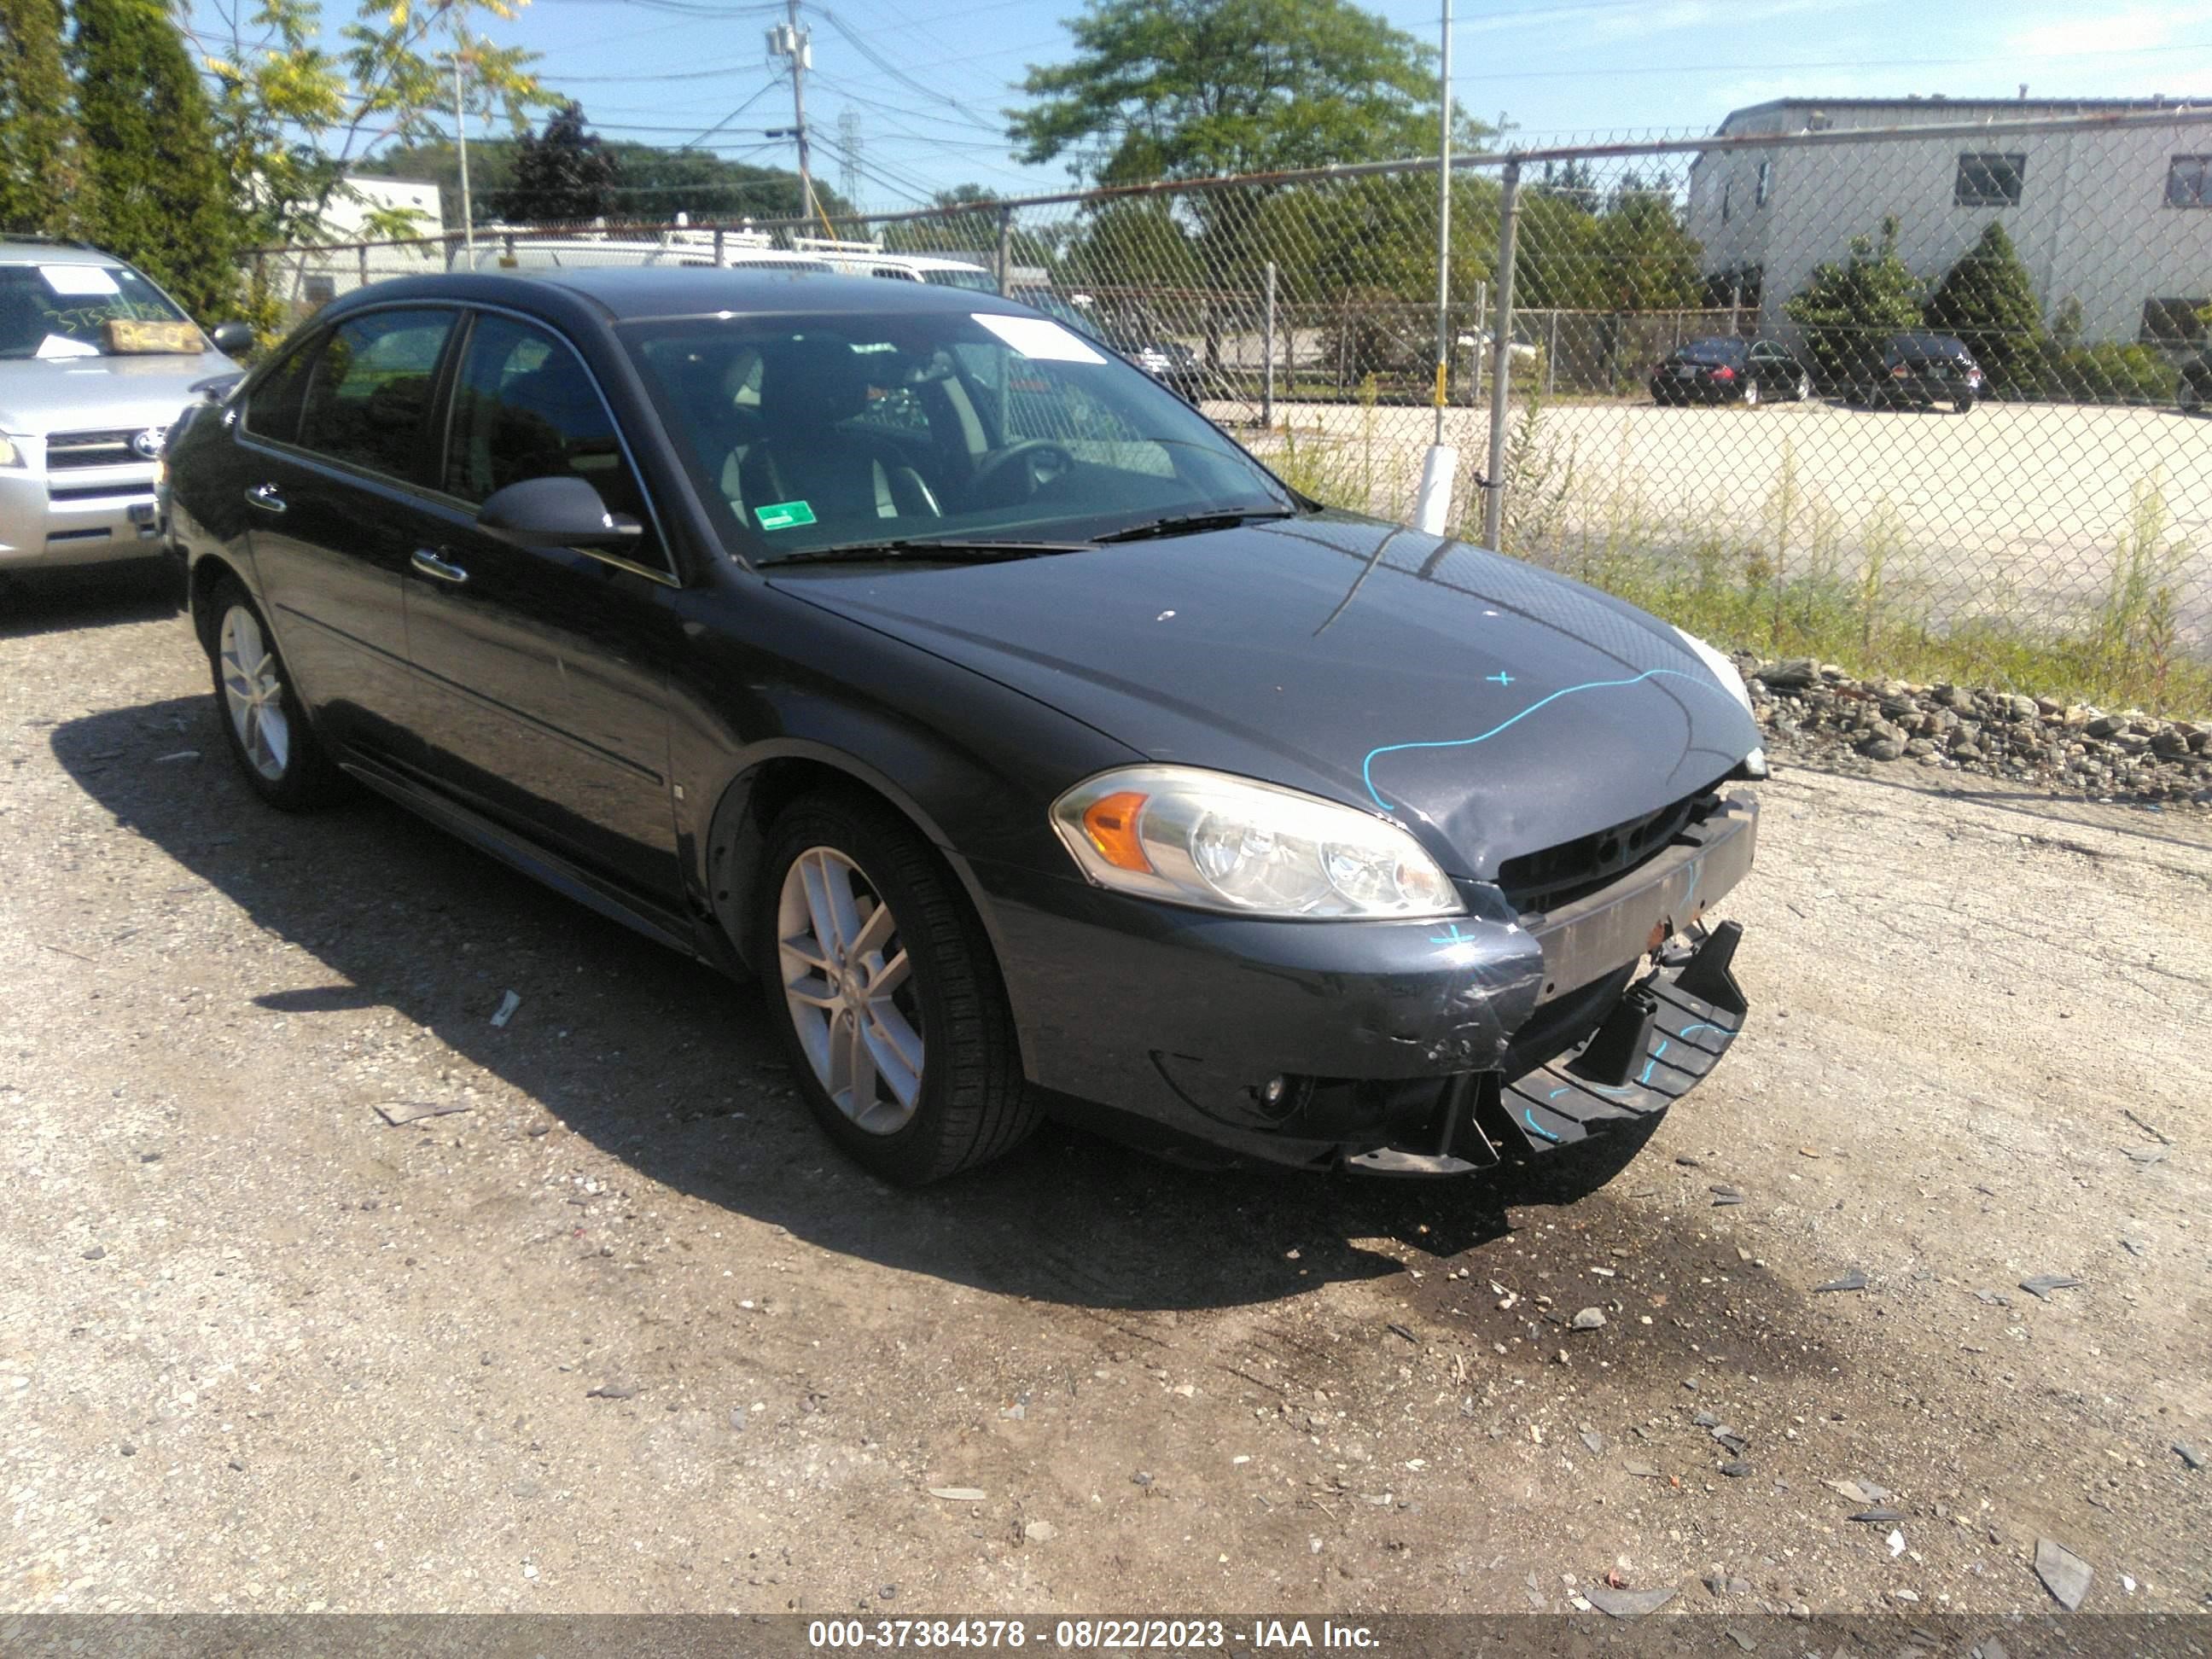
<point x="498" y="249"/>
<point x="869" y="259"/>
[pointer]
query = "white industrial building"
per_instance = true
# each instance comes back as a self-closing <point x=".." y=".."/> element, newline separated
<point x="2118" y="219"/>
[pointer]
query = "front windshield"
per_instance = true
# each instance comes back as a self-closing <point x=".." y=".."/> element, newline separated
<point x="63" y="310"/>
<point x="810" y="433"/>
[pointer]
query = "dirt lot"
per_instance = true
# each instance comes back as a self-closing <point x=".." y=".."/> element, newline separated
<point x="620" y="1332"/>
<point x="2012" y="508"/>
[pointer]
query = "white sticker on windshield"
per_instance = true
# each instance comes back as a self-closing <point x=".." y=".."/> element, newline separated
<point x="60" y="346"/>
<point x="79" y="279"/>
<point x="1039" y="338"/>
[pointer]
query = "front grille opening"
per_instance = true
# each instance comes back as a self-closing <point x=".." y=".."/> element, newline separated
<point x="1552" y="876"/>
<point x="65" y="450"/>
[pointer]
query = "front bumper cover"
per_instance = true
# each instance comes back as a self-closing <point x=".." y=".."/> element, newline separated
<point x="1314" y="1044"/>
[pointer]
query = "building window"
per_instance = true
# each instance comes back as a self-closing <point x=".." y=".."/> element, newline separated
<point x="1766" y="176"/>
<point x="1989" y="179"/>
<point x="2188" y="181"/>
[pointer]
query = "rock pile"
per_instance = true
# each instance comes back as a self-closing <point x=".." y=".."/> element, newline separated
<point x="2126" y="756"/>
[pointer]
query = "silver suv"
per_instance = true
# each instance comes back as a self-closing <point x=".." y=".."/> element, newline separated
<point x="95" y="364"/>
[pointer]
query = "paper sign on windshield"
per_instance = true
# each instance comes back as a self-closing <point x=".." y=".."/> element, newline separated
<point x="1039" y="338"/>
<point x="79" y="280"/>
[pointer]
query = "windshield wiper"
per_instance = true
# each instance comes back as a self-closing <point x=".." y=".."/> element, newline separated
<point x="1184" y="524"/>
<point x="958" y="548"/>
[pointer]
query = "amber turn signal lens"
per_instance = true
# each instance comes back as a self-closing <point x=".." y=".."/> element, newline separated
<point x="1110" y="823"/>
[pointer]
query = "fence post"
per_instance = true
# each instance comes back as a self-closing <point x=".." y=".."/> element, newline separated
<point x="362" y="253"/>
<point x="1267" y="355"/>
<point x="1005" y="244"/>
<point x="1552" y="357"/>
<point x="721" y="238"/>
<point x="1501" y="354"/>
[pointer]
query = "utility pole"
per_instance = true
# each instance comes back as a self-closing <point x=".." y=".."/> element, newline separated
<point x="789" y="40"/>
<point x="461" y="144"/>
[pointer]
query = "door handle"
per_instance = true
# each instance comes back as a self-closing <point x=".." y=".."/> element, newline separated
<point x="440" y="569"/>
<point x="265" y="497"/>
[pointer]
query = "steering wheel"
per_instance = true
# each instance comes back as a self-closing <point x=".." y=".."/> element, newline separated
<point x="1044" y="462"/>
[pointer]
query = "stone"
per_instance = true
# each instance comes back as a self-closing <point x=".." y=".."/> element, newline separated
<point x="1789" y="673"/>
<point x="2064" y="1574"/>
<point x="1626" y="1603"/>
<point x="1590" y="1319"/>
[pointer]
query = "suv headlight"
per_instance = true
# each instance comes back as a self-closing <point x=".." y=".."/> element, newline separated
<point x="1227" y="843"/>
<point x="11" y="452"/>
<point x="1723" y="669"/>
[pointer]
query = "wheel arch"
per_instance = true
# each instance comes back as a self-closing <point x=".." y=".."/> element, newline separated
<point x="772" y="778"/>
<point x="208" y="573"/>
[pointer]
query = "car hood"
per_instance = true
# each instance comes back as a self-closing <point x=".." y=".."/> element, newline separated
<point x="69" y="394"/>
<point x="1493" y="707"/>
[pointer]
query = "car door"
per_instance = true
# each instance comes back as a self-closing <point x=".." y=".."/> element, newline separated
<point x="336" y="450"/>
<point x="541" y="673"/>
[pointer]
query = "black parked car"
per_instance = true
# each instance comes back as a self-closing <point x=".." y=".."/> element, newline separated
<point x="1728" y="371"/>
<point x="1032" y="746"/>
<point x="1919" y="371"/>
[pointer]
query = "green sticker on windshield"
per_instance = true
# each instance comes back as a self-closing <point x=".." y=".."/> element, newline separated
<point x="782" y="515"/>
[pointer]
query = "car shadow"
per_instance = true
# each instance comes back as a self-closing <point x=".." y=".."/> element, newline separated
<point x="675" y="1069"/>
<point x="33" y="602"/>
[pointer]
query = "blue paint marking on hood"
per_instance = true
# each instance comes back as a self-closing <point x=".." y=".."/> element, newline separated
<point x="1492" y="708"/>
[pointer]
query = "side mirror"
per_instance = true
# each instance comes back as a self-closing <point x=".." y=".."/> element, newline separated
<point x="232" y="340"/>
<point x="559" y="512"/>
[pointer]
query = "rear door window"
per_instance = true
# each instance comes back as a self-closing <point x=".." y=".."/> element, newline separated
<point x="368" y="399"/>
<point x="272" y="408"/>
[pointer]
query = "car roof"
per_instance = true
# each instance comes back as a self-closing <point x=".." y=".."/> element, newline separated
<point x="632" y="293"/>
<point x="34" y="250"/>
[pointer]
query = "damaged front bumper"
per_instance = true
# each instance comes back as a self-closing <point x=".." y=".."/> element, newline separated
<point x="1432" y="1048"/>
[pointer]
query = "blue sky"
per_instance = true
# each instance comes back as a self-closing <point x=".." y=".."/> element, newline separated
<point x="1556" y="68"/>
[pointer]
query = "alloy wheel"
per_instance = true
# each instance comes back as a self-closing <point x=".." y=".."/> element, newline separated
<point x="849" y="986"/>
<point x="1804" y="388"/>
<point x="253" y="695"/>
<point x="1751" y="394"/>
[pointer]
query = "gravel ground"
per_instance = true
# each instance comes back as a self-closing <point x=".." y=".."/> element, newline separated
<point x="617" y="1331"/>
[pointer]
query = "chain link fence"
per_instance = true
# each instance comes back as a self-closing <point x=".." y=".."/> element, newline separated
<point x="1918" y="397"/>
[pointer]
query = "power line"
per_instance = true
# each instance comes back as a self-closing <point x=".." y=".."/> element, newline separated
<point x="893" y="71"/>
<point x="759" y="95"/>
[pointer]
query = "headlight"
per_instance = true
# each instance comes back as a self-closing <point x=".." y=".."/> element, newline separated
<point x="11" y="452"/>
<point x="1724" y="670"/>
<point x="1226" y="843"/>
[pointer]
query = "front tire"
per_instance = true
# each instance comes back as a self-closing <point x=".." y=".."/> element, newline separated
<point x="1963" y="402"/>
<point x="1804" y="388"/>
<point x="1751" y="394"/>
<point x="886" y="994"/>
<point x="263" y="718"/>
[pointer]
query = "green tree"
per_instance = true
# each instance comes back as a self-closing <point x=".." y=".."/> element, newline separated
<point x="1988" y="299"/>
<point x="1641" y="258"/>
<point x="1849" y="311"/>
<point x="155" y="193"/>
<point x="295" y="116"/>
<point x="656" y="185"/>
<point x="39" y="140"/>
<point x="1185" y="89"/>
<point x="564" y="175"/>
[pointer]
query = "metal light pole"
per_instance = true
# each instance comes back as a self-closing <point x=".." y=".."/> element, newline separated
<point x="1444" y="223"/>
<point x="1433" y="504"/>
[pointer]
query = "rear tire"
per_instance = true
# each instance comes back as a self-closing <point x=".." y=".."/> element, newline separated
<point x="1804" y="388"/>
<point x="1963" y="402"/>
<point x="883" y="986"/>
<point x="264" y="721"/>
